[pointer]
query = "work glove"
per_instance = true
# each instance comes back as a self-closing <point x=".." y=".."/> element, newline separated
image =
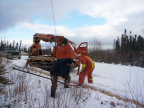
<point x="82" y="70"/>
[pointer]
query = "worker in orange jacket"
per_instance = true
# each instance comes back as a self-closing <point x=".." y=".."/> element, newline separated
<point x="87" y="69"/>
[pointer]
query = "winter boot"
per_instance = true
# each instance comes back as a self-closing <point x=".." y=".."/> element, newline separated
<point x="66" y="84"/>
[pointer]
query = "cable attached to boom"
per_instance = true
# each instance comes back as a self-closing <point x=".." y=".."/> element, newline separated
<point x="53" y="16"/>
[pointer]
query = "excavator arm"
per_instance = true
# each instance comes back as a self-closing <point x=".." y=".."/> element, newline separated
<point x="49" y="38"/>
<point x="44" y="37"/>
<point x="52" y="38"/>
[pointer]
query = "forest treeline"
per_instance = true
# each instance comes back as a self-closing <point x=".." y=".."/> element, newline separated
<point x="17" y="45"/>
<point x="127" y="50"/>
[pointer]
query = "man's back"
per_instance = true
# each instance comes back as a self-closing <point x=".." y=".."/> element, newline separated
<point x="59" y="67"/>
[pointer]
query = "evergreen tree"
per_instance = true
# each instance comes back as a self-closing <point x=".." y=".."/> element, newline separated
<point x="127" y="44"/>
<point x="130" y="41"/>
<point x="130" y="48"/>
<point x="2" y="45"/>
<point x="20" y="45"/>
<point x="117" y="45"/>
<point x="123" y="44"/>
<point x="134" y="44"/>
<point x="13" y="43"/>
<point x="17" y="45"/>
<point x="10" y="46"/>
<point x="139" y="43"/>
<point x="7" y="45"/>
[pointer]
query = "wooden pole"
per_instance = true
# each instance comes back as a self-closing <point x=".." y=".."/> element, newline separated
<point x="42" y="76"/>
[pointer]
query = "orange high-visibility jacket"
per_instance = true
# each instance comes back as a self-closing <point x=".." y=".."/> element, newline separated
<point x="86" y="62"/>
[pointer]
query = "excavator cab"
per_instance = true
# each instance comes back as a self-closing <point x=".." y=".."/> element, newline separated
<point x="65" y="51"/>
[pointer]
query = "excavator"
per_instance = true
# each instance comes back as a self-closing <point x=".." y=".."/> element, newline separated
<point x="63" y="48"/>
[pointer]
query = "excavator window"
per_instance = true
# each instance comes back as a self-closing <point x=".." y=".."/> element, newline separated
<point x="37" y="40"/>
<point x="83" y="45"/>
<point x="64" y="42"/>
<point x="72" y="47"/>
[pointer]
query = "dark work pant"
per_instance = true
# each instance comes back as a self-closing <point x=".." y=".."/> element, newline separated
<point x="54" y="80"/>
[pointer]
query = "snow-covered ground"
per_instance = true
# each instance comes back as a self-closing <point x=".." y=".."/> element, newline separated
<point x="124" y="81"/>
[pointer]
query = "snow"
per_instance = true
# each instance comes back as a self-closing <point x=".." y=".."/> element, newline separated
<point x="124" y="81"/>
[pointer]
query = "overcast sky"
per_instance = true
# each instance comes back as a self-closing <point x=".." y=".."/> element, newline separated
<point x="77" y="20"/>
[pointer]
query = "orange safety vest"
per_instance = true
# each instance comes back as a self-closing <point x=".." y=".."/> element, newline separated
<point x="87" y="63"/>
